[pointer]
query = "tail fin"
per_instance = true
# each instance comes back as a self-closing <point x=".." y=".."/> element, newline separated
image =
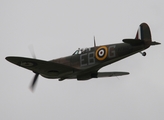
<point x="143" y="37"/>
<point x="144" y="34"/>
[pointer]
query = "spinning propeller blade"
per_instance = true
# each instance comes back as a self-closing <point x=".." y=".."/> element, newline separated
<point x="34" y="81"/>
<point x="31" y="48"/>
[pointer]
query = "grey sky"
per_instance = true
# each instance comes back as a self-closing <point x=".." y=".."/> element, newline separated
<point x="57" y="28"/>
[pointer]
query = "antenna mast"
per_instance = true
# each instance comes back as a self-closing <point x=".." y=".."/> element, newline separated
<point x="94" y="42"/>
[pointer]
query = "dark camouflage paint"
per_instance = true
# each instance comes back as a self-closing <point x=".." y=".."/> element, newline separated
<point x="86" y="65"/>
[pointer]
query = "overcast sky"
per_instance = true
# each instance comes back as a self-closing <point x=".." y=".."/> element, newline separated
<point x="56" y="28"/>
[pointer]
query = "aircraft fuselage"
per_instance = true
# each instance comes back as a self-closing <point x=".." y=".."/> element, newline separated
<point x="100" y="56"/>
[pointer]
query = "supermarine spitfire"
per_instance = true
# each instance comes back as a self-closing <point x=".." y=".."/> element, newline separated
<point x="84" y="64"/>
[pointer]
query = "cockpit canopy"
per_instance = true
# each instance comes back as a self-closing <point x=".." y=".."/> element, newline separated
<point x="81" y="50"/>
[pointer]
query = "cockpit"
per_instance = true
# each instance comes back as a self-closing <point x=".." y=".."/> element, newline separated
<point x="81" y="50"/>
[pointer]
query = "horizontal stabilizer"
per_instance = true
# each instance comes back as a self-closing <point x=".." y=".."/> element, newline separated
<point x="133" y="41"/>
<point x="111" y="74"/>
<point x="155" y="43"/>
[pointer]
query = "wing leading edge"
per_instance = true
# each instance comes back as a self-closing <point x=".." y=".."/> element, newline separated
<point x="46" y="68"/>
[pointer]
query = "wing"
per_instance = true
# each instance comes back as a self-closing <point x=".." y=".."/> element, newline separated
<point x="111" y="74"/>
<point x="48" y="69"/>
<point x="88" y="76"/>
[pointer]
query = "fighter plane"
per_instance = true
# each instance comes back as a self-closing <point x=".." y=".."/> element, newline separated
<point x="85" y="64"/>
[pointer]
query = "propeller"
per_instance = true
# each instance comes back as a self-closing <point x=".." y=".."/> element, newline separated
<point x="31" y="49"/>
<point x="34" y="81"/>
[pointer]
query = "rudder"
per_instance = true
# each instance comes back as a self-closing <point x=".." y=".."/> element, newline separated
<point x="144" y="34"/>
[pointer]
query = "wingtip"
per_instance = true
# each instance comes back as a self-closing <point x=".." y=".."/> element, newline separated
<point x="7" y="58"/>
<point x="125" y="73"/>
<point x="11" y="59"/>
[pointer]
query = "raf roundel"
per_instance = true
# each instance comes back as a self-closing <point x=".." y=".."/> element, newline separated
<point x="27" y="64"/>
<point x="101" y="53"/>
